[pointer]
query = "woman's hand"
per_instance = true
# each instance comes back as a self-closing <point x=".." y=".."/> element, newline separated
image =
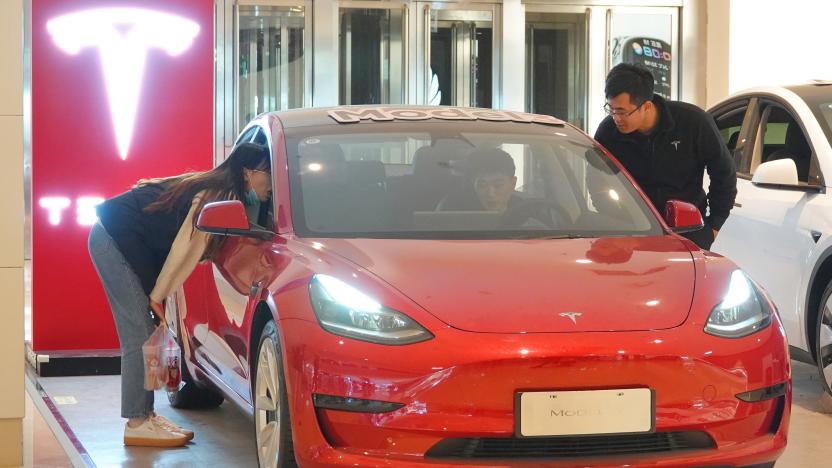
<point x="159" y="310"/>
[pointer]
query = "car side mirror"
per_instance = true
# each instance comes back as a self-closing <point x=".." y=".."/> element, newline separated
<point x="228" y="218"/>
<point x="776" y="173"/>
<point x="683" y="216"/>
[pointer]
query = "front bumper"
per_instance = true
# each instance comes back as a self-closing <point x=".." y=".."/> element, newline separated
<point x="463" y="385"/>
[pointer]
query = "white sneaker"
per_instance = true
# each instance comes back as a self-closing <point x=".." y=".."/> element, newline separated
<point x="151" y="434"/>
<point x="171" y="426"/>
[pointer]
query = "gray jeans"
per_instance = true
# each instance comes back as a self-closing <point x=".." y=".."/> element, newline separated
<point x="130" y="308"/>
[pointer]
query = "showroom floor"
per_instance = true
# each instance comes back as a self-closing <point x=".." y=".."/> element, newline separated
<point x="89" y="405"/>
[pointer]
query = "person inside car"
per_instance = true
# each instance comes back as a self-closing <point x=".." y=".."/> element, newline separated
<point x="490" y="186"/>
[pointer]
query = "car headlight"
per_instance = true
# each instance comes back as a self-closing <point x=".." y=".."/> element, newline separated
<point x="345" y="311"/>
<point x="743" y="310"/>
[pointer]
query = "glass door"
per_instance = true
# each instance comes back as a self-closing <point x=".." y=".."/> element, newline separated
<point x="371" y="51"/>
<point x="556" y="64"/>
<point x="459" y="55"/>
<point x="269" y="57"/>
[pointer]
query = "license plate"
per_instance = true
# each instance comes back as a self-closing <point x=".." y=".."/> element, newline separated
<point x="585" y="412"/>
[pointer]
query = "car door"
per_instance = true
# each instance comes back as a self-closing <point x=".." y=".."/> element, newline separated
<point x="770" y="233"/>
<point x="239" y="271"/>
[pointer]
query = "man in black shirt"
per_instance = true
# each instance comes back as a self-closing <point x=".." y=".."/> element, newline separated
<point x="666" y="146"/>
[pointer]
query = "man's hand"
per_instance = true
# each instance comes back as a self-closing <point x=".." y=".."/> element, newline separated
<point x="716" y="231"/>
<point x="159" y="310"/>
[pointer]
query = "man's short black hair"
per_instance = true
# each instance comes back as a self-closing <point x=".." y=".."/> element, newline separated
<point x="489" y="161"/>
<point x="633" y="79"/>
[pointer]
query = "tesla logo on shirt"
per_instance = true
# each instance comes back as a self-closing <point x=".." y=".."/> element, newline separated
<point x="573" y="316"/>
<point x="675" y="144"/>
<point x="123" y="37"/>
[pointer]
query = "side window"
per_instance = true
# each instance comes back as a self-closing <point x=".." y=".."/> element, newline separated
<point x="729" y="126"/>
<point x="783" y="138"/>
<point x="260" y="137"/>
<point x="246" y="136"/>
<point x="730" y="122"/>
<point x="257" y="135"/>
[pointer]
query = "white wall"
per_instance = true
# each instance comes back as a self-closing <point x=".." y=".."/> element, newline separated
<point x="11" y="236"/>
<point x="716" y="60"/>
<point x="778" y="42"/>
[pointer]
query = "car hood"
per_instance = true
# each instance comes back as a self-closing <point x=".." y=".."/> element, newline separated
<point x="525" y="286"/>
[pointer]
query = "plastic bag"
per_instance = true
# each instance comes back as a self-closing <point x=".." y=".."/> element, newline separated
<point x="162" y="366"/>
<point x="173" y="367"/>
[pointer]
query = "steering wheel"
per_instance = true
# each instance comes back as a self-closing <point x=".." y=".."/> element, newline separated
<point x="536" y="213"/>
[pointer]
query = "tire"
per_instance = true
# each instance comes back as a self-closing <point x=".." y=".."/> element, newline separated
<point x="272" y="426"/>
<point x="191" y="395"/>
<point x="823" y="339"/>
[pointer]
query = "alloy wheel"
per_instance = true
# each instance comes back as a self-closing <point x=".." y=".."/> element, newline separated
<point x="824" y="349"/>
<point x="267" y="405"/>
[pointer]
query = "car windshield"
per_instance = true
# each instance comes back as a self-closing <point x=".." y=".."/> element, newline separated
<point x="458" y="180"/>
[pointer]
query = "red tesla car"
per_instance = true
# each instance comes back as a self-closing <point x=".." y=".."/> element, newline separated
<point x="446" y="286"/>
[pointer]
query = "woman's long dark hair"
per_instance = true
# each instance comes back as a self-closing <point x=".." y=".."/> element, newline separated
<point x="224" y="182"/>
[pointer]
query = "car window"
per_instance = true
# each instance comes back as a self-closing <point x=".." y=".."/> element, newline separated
<point x="378" y="181"/>
<point x="730" y="125"/>
<point x="260" y="137"/>
<point x="246" y="136"/>
<point x="257" y="135"/>
<point x="783" y="138"/>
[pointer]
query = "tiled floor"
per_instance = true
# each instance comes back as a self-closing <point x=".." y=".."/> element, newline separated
<point x="810" y="431"/>
<point x="41" y="448"/>
<point x="224" y="436"/>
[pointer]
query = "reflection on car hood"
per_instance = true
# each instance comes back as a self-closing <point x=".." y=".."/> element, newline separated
<point x="514" y="286"/>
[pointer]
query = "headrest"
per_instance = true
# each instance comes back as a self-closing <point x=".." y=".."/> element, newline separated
<point x="732" y="140"/>
<point x="796" y="142"/>
<point x="365" y="173"/>
<point x="320" y="152"/>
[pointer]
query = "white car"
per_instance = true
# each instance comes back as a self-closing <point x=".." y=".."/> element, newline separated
<point x="780" y="230"/>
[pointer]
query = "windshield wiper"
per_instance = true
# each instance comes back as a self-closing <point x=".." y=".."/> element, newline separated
<point x="531" y="236"/>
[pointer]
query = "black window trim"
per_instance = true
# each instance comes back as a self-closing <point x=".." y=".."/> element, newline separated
<point x="750" y="103"/>
<point x="765" y="100"/>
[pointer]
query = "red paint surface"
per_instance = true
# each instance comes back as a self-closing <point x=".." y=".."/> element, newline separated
<point x="74" y="154"/>
<point x="493" y="308"/>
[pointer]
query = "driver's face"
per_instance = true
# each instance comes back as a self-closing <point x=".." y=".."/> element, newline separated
<point x="494" y="190"/>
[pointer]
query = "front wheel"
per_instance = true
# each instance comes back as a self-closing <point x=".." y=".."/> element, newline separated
<point x="823" y="340"/>
<point x="272" y="427"/>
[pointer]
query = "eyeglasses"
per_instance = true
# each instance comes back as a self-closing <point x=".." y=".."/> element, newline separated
<point x="268" y="174"/>
<point x="620" y="113"/>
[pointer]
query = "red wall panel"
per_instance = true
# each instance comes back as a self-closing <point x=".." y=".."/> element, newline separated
<point x="75" y="154"/>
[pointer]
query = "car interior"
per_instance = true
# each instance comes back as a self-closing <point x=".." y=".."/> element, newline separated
<point x="348" y="188"/>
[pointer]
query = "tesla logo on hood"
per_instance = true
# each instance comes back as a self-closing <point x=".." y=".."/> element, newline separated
<point x="123" y="37"/>
<point x="573" y="316"/>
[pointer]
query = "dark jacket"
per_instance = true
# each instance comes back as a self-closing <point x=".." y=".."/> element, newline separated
<point x="143" y="238"/>
<point x="669" y="163"/>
